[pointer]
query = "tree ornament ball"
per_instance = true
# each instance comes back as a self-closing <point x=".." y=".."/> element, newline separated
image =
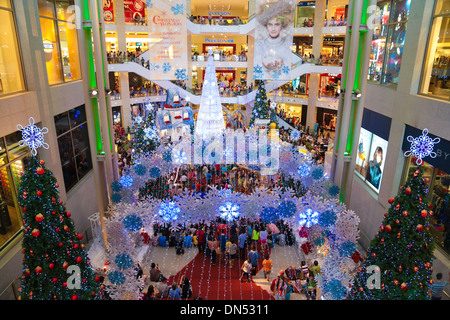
<point x="27" y="272"/>
<point x="404" y="286"/>
<point x="35" y="233"/>
<point x="416" y="269"/>
<point x="39" y="217"/>
<point x="419" y="227"/>
<point x="388" y="228"/>
<point x="38" y="269"/>
<point x="65" y="265"/>
<point x="79" y="259"/>
<point x="408" y="191"/>
<point x="391" y="200"/>
<point x="424" y="213"/>
<point x="39" y="193"/>
<point x="51" y="266"/>
<point x="396" y="282"/>
<point x="68" y="214"/>
<point x="431" y="281"/>
<point x="42" y="162"/>
<point x="55" y="280"/>
<point x="75" y="246"/>
<point x="405" y="213"/>
<point x="374" y="254"/>
<point x="56" y="185"/>
<point x="80" y="236"/>
<point x="397" y="221"/>
<point x="74" y="297"/>
<point x="40" y="171"/>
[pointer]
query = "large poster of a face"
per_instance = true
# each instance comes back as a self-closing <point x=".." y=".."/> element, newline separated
<point x="365" y="139"/>
<point x="273" y="56"/>
<point x="375" y="161"/>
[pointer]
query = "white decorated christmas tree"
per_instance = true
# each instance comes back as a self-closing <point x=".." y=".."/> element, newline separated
<point x="210" y="121"/>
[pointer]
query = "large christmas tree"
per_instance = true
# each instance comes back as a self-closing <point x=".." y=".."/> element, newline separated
<point x="261" y="108"/>
<point x="402" y="249"/>
<point x="55" y="264"/>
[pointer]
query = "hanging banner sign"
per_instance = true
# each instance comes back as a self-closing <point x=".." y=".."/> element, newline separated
<point x="134" y="11"/>
<point x="168" y="50"/>
<point x="274" y="35"/>
<point x="108" y="11"/>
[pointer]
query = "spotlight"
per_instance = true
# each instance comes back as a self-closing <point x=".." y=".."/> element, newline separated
<point x="107" y="91"/>
<point x="357" y="93"/>
<point x="93" y="92"/>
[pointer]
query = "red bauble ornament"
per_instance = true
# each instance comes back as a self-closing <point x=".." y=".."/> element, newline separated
<point x="424" y="213"/>
<point x="56" y="185"/>
<point x="39" y="217"/>
<point x="27" y="272"/>
<point x="74" y="297"/>
<point x="391" y="200"/>
<point x="35" y="233"/>
<point x="60" y="244"/>
<point x="79" y="259"/>
<point x="405" y="213"/>
<point x="57" y="229"/>
<point x="40" y="171"/>
<point x="55" y="280"/>
<point x="419" y="227"/>
<point x="38" y="269"/>
<point x="65" y="265"/>
<point x="51" y="266"/>
<point x="75" y="246"/>
<point x="97" y="278"/>
<point x="416" y="269"/>
<point x="66" y="228"/>
<point x="64" y="284"/>
<point x="385" y="214"/>
<point x="80" y="236"/>
<point x="408" y="191"/>
<point x="397" y="221"/>
<point x="42" y="162"/>
<point x="39" y="193"/>
<point x="374" y="254"/>
<point x="68" y="214"/>
<point x="53" y="212"/>
<point x="396" y="282"/>
<point x="404" y="286"/>
<point x="388" y="228"/>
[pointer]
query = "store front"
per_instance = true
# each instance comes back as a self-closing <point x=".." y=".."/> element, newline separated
<point x="437" y="175"/>
<point x="117" y="115"/>
<point x="329" y="85"/>
<point x="303" y="46"/>
<point x="304" y="17"/>
<point x="326" y="118"/>
<point x="13" y="161"/>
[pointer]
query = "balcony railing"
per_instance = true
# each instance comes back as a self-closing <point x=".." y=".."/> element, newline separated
<point x="229" y="58"/>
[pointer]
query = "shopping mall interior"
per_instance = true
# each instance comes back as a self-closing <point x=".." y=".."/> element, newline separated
<point x="110" y="88"/>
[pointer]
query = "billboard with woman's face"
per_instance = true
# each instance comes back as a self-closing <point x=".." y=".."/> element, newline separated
<point x="273" y="56"/>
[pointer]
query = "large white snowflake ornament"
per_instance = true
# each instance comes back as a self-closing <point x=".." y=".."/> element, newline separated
<point x="229" y="211"/>
<point x="32" y="136"/>
<point x="422" y="146"/>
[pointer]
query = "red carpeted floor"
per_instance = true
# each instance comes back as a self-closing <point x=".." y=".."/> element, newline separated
<point x="219" y="281"/>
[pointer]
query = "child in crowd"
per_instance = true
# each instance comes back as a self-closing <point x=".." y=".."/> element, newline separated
<point x="267" y="267"/>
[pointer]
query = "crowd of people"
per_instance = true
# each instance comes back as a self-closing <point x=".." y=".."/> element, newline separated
<point x="213" y="20"/>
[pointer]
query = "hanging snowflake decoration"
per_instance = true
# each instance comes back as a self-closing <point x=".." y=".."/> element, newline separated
<point x="308" y="218"/>
<point x="347" y="248"/>
<point x="229" y="211"/>
<point x="150" y="133"/>
<point x="179" y="156"/>
<point x="116" y="197"/>
<point x="336" y="289"/>
<point x="422" y="146"/>
<point x="167" y="156"/>
<point x="132" y="222"/>
<point x="140" y="169"/>
<point x="169" y="211"/>
<point x="287" y="209"/>
<point x="32" y="136"/>
<point x="257" y="72"/>
<point x="116" y="186"/>
<point x="317" y="173"/>
<point x="180" y="74"/>
<point x="138" y="119"/>
<point x="304" y="170"/>
<point x="327" y="218"/>
<point x="154" y="172"/>
<point x="117" y="278"/>
<point x="334" y="190"/>
<point x="295" y="134"/>
<point x="123" y="261"/>
<point x="126" y="181"/>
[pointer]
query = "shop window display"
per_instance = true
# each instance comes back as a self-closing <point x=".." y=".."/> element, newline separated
<point x="388" y="41"/>
<point x="73" y="145"/>
<point x="435" y="77"/>
<point x="13" y="160"/>
<point x="59" y="37"/>
<point x="11" y="74"/>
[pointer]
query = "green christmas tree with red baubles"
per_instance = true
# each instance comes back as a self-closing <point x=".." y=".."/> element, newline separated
<point x="402" y="248"/>
<point x="50" y="244"/>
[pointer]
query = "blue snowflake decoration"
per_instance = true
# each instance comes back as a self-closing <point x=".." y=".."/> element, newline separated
<point x="317" y="174"/>
<point x="116" y="186"/>
<point x="304" y="170"/>
<point x="154" y="172"/>
<point x="123" y="261"/>
<point x="138" y="119"/>
<point x="268" y="215"/>
<point x="422" y="147"/>
<point x="126" y="181"/>
<point x="295" y="134"/>
<point x="285" y="69"/>
<point x="335" y="289"/>
<point x="334" y="190"/>
<point x="180" y="74"/>
<point x="179" y="156"/>
<point x="327" y="218"/>
<point x="169" y="211"/>
<point x="308" y="218"/>
<point x="257" y="72"/>
<point x="276" y="75"/>
<point x="140" y="169"/>
<point x="117" y="278"/>
<point x="32" y="136"/>
<point x="229" y="211"/>
<point x="177" y="9"/>
<point x="347" y="248"/>
<point x="150" y="133"/>
<point x="319" y="242"/>
<point x="167" y="156"/>
<point x="116" y="197"/>
<point x="166" y="67"/>
<point x="287" y="209"/>
<point x="132" y="223"/>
